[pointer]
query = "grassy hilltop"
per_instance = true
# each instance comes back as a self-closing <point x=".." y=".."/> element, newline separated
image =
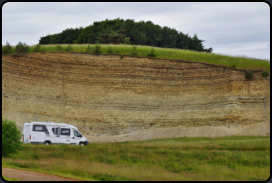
<point x="168" y="53"/>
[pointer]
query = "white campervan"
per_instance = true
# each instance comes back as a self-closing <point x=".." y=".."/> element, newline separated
<point x="52" y="133"/>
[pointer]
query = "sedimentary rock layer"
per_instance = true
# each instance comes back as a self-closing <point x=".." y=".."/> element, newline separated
<point x="104" y="94"/>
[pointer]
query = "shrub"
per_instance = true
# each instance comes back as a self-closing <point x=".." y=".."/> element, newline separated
<point x="233" y="66"/>
<point x="126" y="40"/>
<point x="69" y="48"/>
<point x="122" y="56"/>
<point x="265" y="73"/>
<point x="249" y="75"/>
<point x="21" y="48"/>
<point x="110" y="50"/>
<point x="152" y="54"/>
<point x="37" y="48"/>
<point x="89" y="49"/>
<point x="59" y="48"/>
<point x="7" y="49"/>
<point x="97" y="48"/>
<point x="10" y="138"/>
<point x="134" y="50"/>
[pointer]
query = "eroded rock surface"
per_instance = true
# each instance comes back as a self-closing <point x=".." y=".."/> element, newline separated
<point x="104" y="94"/>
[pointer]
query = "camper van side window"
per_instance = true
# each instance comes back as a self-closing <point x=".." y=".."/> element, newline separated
<point x="65" y="131"/>
<point x="40" y="128"/>
<point x="37" y="128"/>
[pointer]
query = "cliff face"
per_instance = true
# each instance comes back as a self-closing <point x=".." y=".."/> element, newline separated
<point x="104" y="94"/>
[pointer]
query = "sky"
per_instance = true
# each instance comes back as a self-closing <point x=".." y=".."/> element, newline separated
<point x="230" y="28"/>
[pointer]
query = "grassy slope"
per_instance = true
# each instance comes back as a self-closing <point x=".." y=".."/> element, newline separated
<point x="239" y="62"/>
<point x="224" y="158"/>
<point x="10" y="179"/>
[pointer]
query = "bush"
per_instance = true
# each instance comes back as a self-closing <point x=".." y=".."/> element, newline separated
<point x="134" y="50"/>
<point x="59" y="48"/>
<point x="126" y="40"/>
<point x="110" y="50"/>
<point x="37" y="48"/>
<point x="152" y="54"/>
<point x="69" y="48"/>
<point x="10" y="138"/>
<point x="121" y="56"/>
<point x="233" y="66"/>
<point x="265" y="73"/>
<point x="7" y="49"/>
<point x="89" y="49"/>
<point x="21" y="48"/>
<point x="97" y="48"/>
<point x="249" y="75"/>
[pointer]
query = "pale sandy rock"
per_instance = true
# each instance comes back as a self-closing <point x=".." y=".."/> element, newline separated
<point x="134" y="97"/>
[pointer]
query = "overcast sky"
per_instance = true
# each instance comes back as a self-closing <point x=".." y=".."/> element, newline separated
<point x="231" y="28"/>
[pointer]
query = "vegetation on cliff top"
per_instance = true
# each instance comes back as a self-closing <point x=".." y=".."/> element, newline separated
<point x="127" y="31"/>
<point x="168" y="53"/>
<point x="239" y="158"/>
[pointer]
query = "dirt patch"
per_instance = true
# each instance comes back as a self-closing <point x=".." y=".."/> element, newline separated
<point x="31" y="176"/>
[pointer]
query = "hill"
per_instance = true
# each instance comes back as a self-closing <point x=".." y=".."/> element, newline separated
<point x="127" y="31"/>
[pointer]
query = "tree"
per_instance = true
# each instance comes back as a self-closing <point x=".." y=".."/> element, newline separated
<point x="37" y="48"/>
<point x="69" y="48"/>
<point x="151" y="54"/>
<point x="110" y="50"/>
<point x="97" y="48"/>
<point x="134" y="50"/>
<point x="21" y="48"/>
<point x="59" y="48"/>
<point x="7" y="49"/>
<point x="10" y="138"/>
<point x="89" y="49"/>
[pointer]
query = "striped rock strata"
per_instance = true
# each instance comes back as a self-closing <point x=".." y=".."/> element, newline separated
<point x="104" y="94"/>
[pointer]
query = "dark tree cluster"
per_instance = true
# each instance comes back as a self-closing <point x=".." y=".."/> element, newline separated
<point x="65" y="37"/>
<point x="118" y="30"/>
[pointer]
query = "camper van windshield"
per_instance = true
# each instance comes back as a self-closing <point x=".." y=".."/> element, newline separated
<point x="76" y="133"/>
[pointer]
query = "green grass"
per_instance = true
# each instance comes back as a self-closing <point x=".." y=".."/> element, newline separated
<point x="238" y="62"/>
<point x="10" y="179"/>
<point x="219" y="159"/>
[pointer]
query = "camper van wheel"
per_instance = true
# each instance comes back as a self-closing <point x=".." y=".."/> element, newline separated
<point x="82" y="144"/>
<point x="47" y="143"/>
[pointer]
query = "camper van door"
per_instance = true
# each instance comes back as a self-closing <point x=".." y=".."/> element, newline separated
<point x="77" y="137"/>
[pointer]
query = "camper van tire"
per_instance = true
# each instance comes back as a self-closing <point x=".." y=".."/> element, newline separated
<point x="47" y="143"/>
<point x="82" y="144"/>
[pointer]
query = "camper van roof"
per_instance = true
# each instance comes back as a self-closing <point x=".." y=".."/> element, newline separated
<point x="52" y="123"/>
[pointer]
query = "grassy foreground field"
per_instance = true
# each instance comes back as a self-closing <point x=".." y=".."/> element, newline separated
<point x="226" y="158"/>
<point x="10" y="179"/>
<point x="169" y="53"/>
